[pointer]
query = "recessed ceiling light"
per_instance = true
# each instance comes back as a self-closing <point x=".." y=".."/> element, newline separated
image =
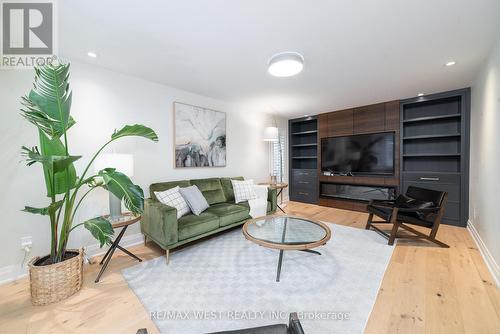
<point x="450" y="63"/>
<point x="420" y="94"/>
<point x="286" y="64"/>
<point x="92" y="54"/>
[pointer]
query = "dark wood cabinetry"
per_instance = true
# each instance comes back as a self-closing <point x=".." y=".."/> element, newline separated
<point x="369" y="119"/>
<point x="435" y="148"/>
<point x="431" y="150"/>
<point x="340" y="123"/>
<point x="375" y="118"/>
<point x="303" y="148"/>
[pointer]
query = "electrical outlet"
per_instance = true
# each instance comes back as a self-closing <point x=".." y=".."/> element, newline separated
<point x="26" y="242"/>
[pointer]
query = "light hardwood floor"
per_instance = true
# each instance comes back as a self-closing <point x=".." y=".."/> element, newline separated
<point x="425" y="289"/>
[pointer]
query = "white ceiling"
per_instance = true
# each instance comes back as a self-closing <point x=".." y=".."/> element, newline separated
<point x="356" y="52"/>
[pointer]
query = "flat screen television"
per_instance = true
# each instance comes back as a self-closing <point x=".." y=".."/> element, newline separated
<point x="370" y="154"/>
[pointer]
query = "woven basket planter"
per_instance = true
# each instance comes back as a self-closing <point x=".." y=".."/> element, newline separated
<point x="55" y="282"/>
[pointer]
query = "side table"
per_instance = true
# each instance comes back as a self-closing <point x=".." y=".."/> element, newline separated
<point x="125" y="221"/>
<point x="279" y="187"/>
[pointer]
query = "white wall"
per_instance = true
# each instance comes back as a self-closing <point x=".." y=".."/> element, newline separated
<point x="485" y="159"/>
<point x="103" y="101"/>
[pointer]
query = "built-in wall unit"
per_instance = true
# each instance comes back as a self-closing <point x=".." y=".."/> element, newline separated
<point x="303" y="148"/>
<point x="435" y="148"/>
<point x="377" y="151"/>
<point x="357" y="150"/>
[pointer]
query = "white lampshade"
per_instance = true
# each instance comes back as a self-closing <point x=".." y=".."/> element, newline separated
<point x="271" y="133"/>
<point x="123" y="163"/>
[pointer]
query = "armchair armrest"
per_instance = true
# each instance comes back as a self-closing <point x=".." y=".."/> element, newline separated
<point x="272" y="196"/>
<point x="159" y="221"/>
<point x="424" y="211"/>
<point x="294" y="325"/>
<point x="385" y="203"/>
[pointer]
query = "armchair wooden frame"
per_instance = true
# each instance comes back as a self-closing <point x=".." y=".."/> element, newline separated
<point x="398" y="223"/>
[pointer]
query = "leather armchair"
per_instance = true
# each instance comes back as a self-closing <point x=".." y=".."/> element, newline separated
<point x="420" y="206"/>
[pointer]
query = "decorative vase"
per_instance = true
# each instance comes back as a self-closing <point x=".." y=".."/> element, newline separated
<point x="51" y="283"/>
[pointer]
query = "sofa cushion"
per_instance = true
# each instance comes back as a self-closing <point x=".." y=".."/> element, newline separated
<point x="229" y="213"/>
<point x="162" y="186"/>
<point x="227" y="187"/>
<point x="211" y="189"/>
<point x="192" y="225"/>
<point x="246" y="205"/>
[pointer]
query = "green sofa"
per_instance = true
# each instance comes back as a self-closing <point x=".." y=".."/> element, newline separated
<point x="160" y="224"/>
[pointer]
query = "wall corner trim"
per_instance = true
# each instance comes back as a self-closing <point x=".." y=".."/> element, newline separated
<point x="492" y="265"/>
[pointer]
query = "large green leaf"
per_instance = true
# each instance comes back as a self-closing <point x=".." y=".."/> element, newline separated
<point x="101" y="229"/>
<point x="135" y="130"/>
<point x="53" y="162"/>
<point x="63" y="180"/>
<point x="52" y="208"/>
<point x="52" y="127"/>
<point x="48" y="104"/>
<point x="122" y="187"/>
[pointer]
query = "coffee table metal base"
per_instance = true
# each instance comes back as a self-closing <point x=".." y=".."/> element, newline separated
<point x="280" y="261"/>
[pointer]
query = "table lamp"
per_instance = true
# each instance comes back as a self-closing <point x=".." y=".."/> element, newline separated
<point x="123" y="163"/>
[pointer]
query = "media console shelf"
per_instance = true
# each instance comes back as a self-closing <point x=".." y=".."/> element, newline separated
<point x="356" y="192"/>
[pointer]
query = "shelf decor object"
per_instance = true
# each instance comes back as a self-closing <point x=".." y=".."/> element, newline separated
<point x="435" y="148"/>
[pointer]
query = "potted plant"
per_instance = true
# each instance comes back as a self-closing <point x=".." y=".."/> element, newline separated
<point x="59" y="274"/>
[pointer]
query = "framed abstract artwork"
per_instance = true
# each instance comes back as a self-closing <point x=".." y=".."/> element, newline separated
<point x="199" y="136"/>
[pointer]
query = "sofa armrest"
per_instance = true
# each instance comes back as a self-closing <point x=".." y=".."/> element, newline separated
<point x="272" y="196"/>
<point x="159" y="221"/>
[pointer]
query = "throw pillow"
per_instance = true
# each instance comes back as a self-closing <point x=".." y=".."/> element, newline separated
<point x="195" y="199"/>
<point x="243" y="190"/>
<point x="172" y="197"/>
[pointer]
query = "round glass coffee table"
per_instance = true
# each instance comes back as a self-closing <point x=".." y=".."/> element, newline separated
<point x="287" y="233"/>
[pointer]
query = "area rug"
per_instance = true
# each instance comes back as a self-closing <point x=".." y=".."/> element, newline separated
<point x="228" y="282"/>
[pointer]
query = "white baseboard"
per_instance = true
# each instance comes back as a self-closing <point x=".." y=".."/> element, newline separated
<point x="15" y="272"/>
<point x="12" y="273"/>
<point x="492" y="265"/>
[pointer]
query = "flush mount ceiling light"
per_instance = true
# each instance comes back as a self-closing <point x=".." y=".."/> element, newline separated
<point x="286" y="64"/>
<point x="420" y="94"/>
<point x="92" y="54"/>
<point x="450" y="63"/>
